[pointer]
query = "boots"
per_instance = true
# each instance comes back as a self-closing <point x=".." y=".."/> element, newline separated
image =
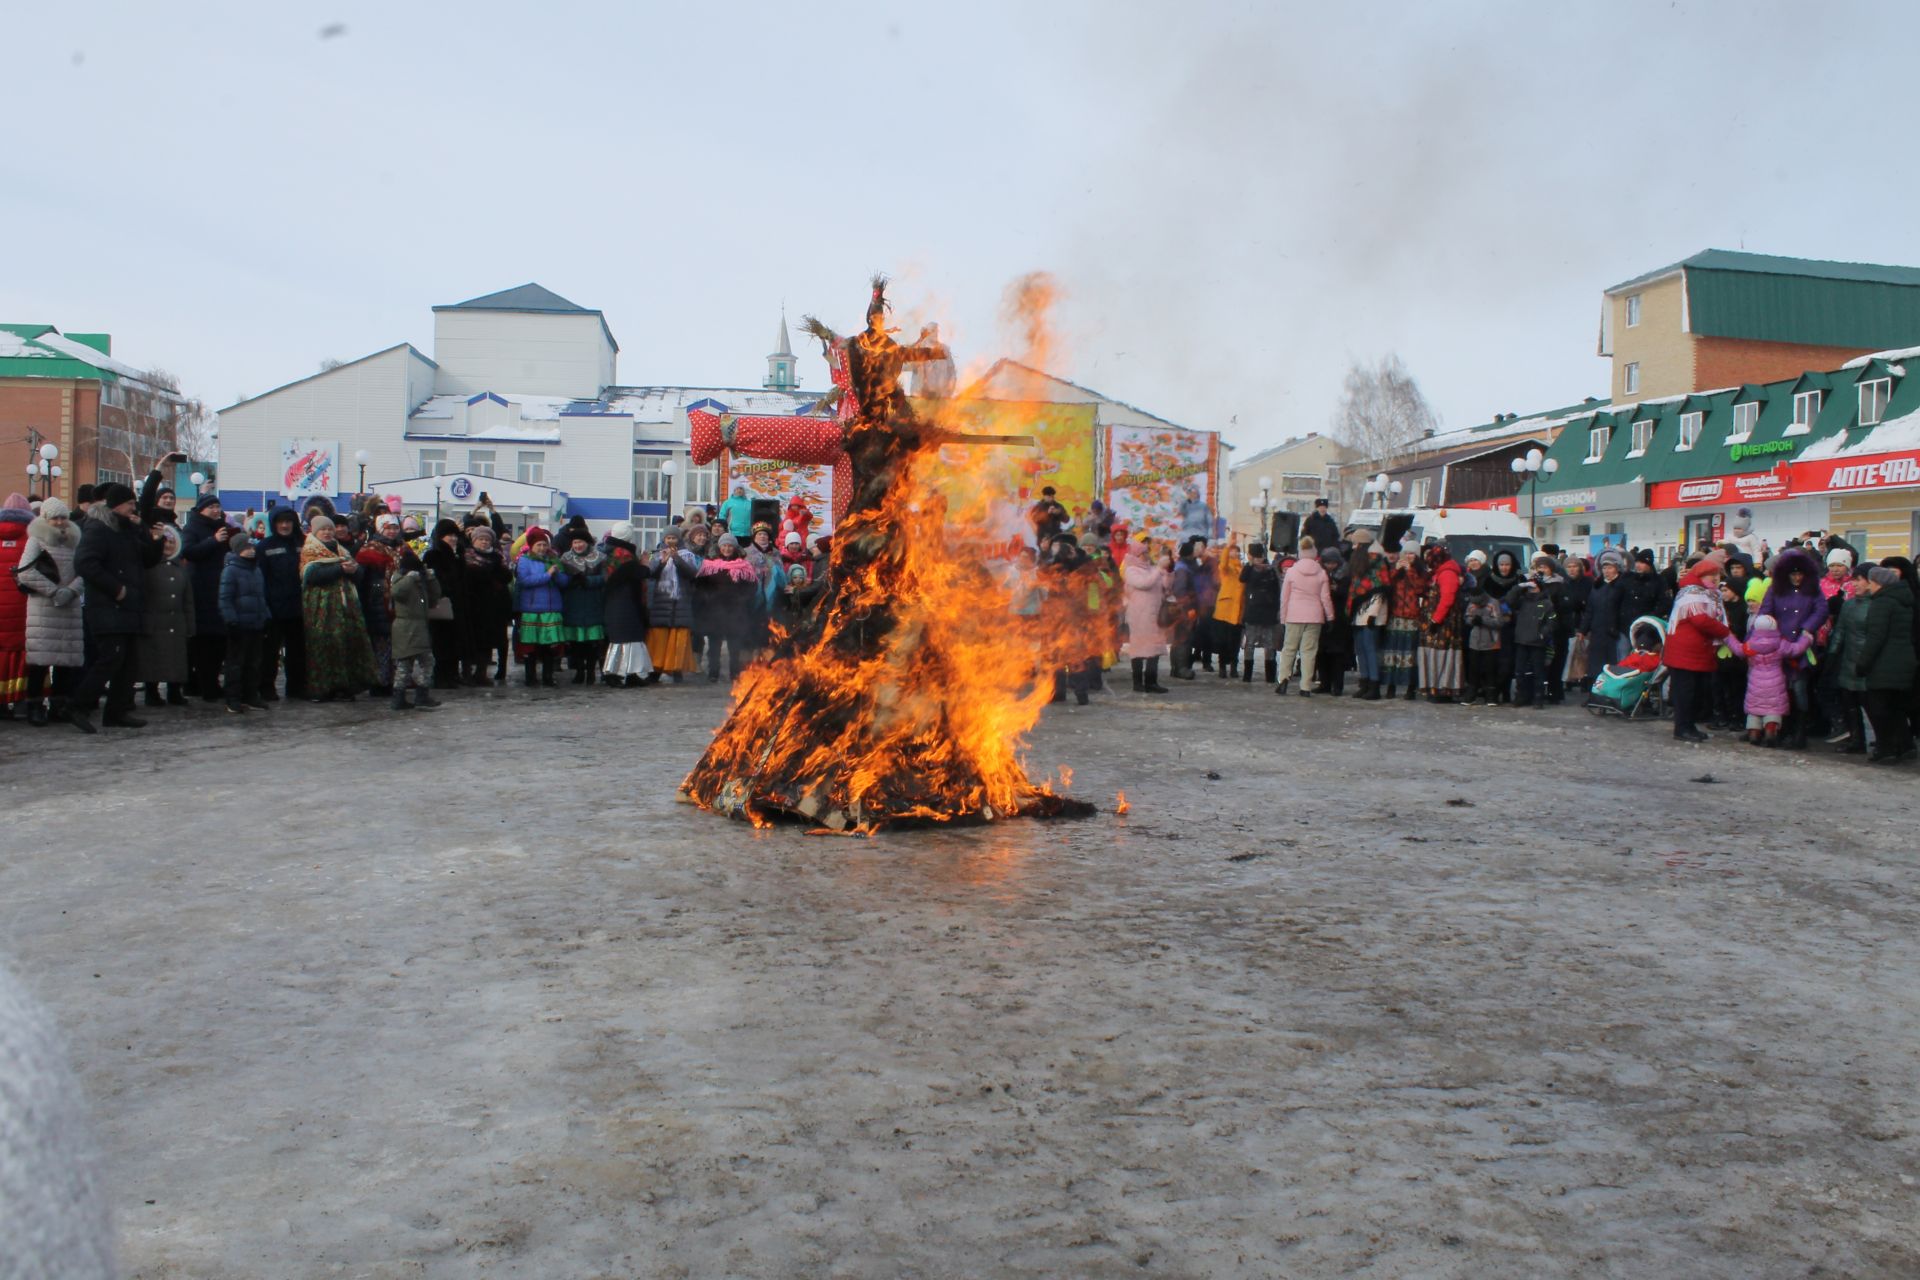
<point x="424" y="699"/>
<point x="1371" y="693"/>
<point x="399" y="700"/>
<point x="1246" y="670"/>
<point x="37" y="713"/>
<point x="1226" y="667"/>
<point x="635" y="682"/>
<point x="547" y="667"/>
<point x="533" y="680"/>
<point x="1153" y="684"/>
<point x="1412" y="692"/>
<point x="579" y="675"/>
<point x="1059" y="687"/>
<point x="153" y="696"/>
<point x="477" y="676"/>
<point x="176" y="696"/>
<point x="1139" y="678"/>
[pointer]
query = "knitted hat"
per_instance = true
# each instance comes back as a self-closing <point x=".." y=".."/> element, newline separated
<point x="621" y="532"/>
<point x="791" y="540"/>
<point x="1765" y="622"/>
<point x="239" y="542"/>
<point x="1840" y="556"/>
<point x="1257" y="550"/>
<point x="480" y="531"/>
<point x="1476" y="556"/>
<point x="536" y="534"/>
<point x="206" y="500"/>
<point x="1361" y="537"/>
<point x="1643" y="557"/>
<point x="112" y="493"/>
<point x="1882" y="576"/>
<point x="16" y="501"/>
<point x="52" y="508"/>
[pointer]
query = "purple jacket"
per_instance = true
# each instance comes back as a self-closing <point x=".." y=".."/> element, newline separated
<point x="1800" y="611"/>
<point x="1766" y="677"/>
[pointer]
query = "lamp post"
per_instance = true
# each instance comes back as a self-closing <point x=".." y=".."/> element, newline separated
<point x="668" y="470"/>
<point x="362" y="457"/>
<point x="43" y="469"/>
<point x="436" y="502"/>
<point x="1264" y="505"/>
<point x="1532" y="466"/>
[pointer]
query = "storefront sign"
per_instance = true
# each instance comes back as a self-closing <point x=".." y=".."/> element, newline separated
<point x="1758" y="486"/>
<point x="1573" y="502"/>
<point x="1491" y="504"/>
<point x="1845" y="475"/>
<point x="1606" y="497"/>
<point x="1740" y="451"/>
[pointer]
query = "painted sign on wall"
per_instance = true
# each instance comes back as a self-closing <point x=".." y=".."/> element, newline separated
<point x="1149" y="470"/>
<point x="782" y="481"/>
<point x="309" y="468"/>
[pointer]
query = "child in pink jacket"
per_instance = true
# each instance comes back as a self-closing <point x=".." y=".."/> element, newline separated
<point x="1768" y="699"/>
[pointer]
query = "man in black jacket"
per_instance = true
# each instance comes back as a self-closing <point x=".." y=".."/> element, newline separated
<point x="1642" y="592"/>
<point x="1320" y="527"/>
<point x="204" y="539"/>
<point x="113" y="558"/>
<point x="1259" y="613"/>
<point x="280" y="569"/>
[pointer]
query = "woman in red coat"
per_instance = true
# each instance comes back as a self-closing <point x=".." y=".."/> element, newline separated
<point x="1694" y="631"/>
<point x="14" y="518"/>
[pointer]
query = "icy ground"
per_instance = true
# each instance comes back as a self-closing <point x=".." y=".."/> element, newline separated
<point x="1403" y="991"/>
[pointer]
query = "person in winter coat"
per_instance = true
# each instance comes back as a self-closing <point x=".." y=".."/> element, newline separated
<point x="793" y="553"/>
<point x="1369" y="598"/>
<point x="1569" y="601"/>
<point x="1887" y="664"/>
<point x="1643" y="592"/>
<point x="737" y="513"/>
<point x="243" y="608"/>
<point x="489" y="606"/>
<point x="55" y="632"/>
<point x="1196" y="517"/>
<point x="730" y="587"/>
<point x="1730" y="677"/>
<point x="112" y="559"/>
<point x="1442" y="664"/>
<point x="373" y="583"/>
<point x="1229" y="610"/>
<point x="583" y="626"/>
<point x="1306" y="605"/>
<point x="15" y="517"/>
<point x="1336" y="637"/>
<point x="1531" y="606"/>
<point x="1695" y="630"/>
<point x="797" y="520"/>
<point x="1399" y="654"/>
<point x="203" y="547"/>
<point x="279" y="560"/>
<point x="1795" y="602"/>
<point x="1320" y="526"/>
<point x="1603" y="623"/>
<point x="164" y="654"/>
<point x="1847" y="634"/>
<point x="1147" y="587"/>
<point x="1485" y="623"/>
<point x="1259" y="613"/>
<point x="1500" y="578"/>
<point x="443" y="557"/>
<point x="542" y="621"/>
<point x="624" y="609"/>
<point x="670" y="609"/>
<point x="414" y="588"/>
<point x="339" y="655"/>
<point x="1904" y="567"/>
<point x="1767" y="700"/>
<point x="1188" y="576"/>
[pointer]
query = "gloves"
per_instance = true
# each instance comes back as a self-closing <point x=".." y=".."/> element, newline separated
<point x="64" y="596"/>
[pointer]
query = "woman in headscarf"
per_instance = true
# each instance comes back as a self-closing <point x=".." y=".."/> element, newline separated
<point x="627" y="660"/>
<point x="1442" y="637"/>
<point x="1369" y="603"/>
<point x="541" y="579"/>
<point x="729" y="586"/>
<point x="339" y="655"/>
<point x="1147" y="590"/>
<point x="1399" y="659"/>
<point x="168" y="618"/>
<point x="670" y="609"/>
<point x="489" y="606"/>
<point x="583" y="606"/>
<point x="1695" y="629"/>
<point x="442" y="559"/>
<point x="55" y="632"/>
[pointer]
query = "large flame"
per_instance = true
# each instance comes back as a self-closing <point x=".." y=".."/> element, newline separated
<point x="909" y="695"/>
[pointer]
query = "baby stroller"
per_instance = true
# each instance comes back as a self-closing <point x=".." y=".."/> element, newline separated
<point x="1635" y="688"/>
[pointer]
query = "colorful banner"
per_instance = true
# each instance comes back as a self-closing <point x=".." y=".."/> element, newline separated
<point x="1149" y="470"/>
<point x="1849" y="475"/>
<point x="1062" y="458"/>
<point x="1707" y="491"/>
<point x="782" y="481"/>
<point x="309" y="468"/>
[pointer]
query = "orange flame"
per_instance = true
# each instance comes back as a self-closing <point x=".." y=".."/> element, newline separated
<point x="1120" y="805"/>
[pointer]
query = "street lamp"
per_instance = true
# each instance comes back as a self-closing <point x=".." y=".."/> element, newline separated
<point x="44" y="468"/>
<point x="1263" y="504"/>
<point x="668" y="470"/>
<point x="1532" y="466"/>
<point x="362" y="457"/>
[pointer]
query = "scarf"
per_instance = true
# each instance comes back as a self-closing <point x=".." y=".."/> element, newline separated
<point x="738" y="570"/>
<point x="1693" y="601"/>
<point x="670" y="580"/>
<point x="591" y="562"/>
<point x="313" y="551"/>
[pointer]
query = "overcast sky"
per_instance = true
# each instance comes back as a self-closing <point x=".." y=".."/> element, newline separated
<point x="1236" y="199"/>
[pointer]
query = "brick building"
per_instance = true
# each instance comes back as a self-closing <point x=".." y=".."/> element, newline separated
<point x="109" y="421"/>
<point x="1723" y="319"/>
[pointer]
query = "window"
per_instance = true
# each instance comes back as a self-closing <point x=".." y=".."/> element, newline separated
<point x="104" y="476"/>
<point x="647" y="531"/>
<point x="703" y="484"/>
<point x="1633" y="312"/>
<point x="1421" y="488"/>
<point x="1633" y="377"/>
<point x="532" y="466"/>
<point x="1873" y="400"/>
<point x="433" y="462"/>
<point x="1642" y="437"/>
<point x="1597" y="441"/>
<point x="480" y="461"/>
<point x="1806" y="407"/>
<point x="1689" y="431"/>
<point x="1583" y="531"/>
<point x="1615" y="527"/>
<point x="649" y="485"/>
<point x="1293" y="482"/>
<point x="1745" y="418"/>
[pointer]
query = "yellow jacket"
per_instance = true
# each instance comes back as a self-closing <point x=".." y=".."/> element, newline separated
<point x="1231" y="605"/>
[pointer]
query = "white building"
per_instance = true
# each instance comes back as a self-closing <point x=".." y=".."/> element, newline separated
<point x="519" y="400"/>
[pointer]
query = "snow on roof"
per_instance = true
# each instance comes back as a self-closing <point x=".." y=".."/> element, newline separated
<point x="1890" y="436"/>
<point x="667" y="404"/>
<point x="53" y="345"/>
<point x="13" y="346"/>
<point x="1898" y="353"/>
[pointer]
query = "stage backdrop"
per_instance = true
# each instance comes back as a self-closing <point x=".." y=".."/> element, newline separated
<point x="780" y="481"/>
<point x="1149" y="469"/>
<point x="1063" y="457"/>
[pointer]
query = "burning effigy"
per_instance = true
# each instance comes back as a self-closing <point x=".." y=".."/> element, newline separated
<point x="904" y="694"/>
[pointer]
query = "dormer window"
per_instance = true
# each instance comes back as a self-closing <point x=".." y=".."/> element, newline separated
<point x="1806" y="407"/>
<point x="1873" y="400"/>
<point x="1642" y="437"/>
<point x="1689" y="431"/>
<point x="1597" y="441"/>
<point x="1745" y="418"/>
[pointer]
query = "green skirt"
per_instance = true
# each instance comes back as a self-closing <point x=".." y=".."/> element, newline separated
<point x="583" y="635"/>
<point x="540" y="628"/>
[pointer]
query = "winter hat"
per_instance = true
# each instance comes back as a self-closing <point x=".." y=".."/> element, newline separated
<point x="1882" y="576"/>
<point x="112" y="493"/>
<point x="479" y="531"/>
<point x="728" y="540"/>
<point x="791" y="540"/>
<point x="239" y="542"/>
<point x="1840" y="556"/>
<point x="1643" y="557"/>
<point x="1612" y="557"/>
<point x="1765" y="622"/>
<point x="1476" y="556"/>
<point x="16" y="502"/>
<point x="536" y="534"/>
<point x="1257" y="550"/>
<point x="621" y="532"/>
<point x="1361" y="537"/>
<point x="51" y="508"/>
<point x="204" y="501"/>
<point x="278" y="514"/>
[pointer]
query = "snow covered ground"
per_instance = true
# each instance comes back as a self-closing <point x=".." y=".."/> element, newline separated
<point x="1402" y="991"/>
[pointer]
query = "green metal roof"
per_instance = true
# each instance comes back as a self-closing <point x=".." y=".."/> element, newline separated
<point x="1767" y="298"/>
<point x="23" y="356"/>
<point x="1774" y="265"/>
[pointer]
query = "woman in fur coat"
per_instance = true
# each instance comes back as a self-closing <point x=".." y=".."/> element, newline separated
<point x="163" y="653"/>
<point x="56" y="634"/>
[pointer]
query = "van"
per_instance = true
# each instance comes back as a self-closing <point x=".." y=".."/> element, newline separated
<point x="1463" y="529"/>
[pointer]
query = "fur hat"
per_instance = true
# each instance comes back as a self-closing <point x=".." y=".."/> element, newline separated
<point x="1840" y="556"/>
<point x="112" y="493"/>
<point x="1881" y="575"/>
<point x="1476" y="556"/>
<point x="478" y="531"/>
<point x="1643" y="557"/>
<point x="1613" y="557"/>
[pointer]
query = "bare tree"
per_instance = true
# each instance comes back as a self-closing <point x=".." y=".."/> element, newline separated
<point x="193" y="423"/>
<point x="1382" y="413"/>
